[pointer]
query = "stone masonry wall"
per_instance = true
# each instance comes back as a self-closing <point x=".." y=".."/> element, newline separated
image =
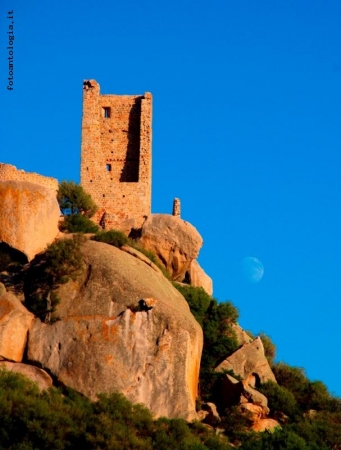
<point x="116" y="155"/>
<point x="9" y="172"/>
<point x="176" y="207"/>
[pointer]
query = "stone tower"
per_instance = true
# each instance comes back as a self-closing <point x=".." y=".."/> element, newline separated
<point x="116" y="156"/>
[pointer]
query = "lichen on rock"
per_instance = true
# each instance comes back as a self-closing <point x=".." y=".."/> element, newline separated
<point x="29" y="215"/>
<point x="102" y="343"/>
<point x="174" y="241"/>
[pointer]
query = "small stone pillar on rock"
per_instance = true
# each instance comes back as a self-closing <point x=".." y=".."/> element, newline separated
<point x="176" y="207"/>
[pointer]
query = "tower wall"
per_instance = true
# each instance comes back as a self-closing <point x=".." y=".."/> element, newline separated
<point x="116" y="155"/>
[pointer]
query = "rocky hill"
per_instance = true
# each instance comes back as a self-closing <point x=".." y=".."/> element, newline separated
<point x="100" y="319"/>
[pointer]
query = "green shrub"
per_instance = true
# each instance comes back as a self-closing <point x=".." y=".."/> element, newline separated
<point x="278" y="440"/>
<point x="113" y="237"/>
<point x="61" y="261"/>
<point x="78" y="223"/>
<point x="308" y="394"/>
<point x="293" y="379"/>
<point x="321" y="430"/>
<point x="280" y="400"/>
<point x="117" y="423"/>
<point x="64" y="419"/>
<point x="177" y="434"/>
<point x="197" y="299"/>
<point x="30" y="419"/>
<point x="317" y="396"/>
<point x="219" y="338"/>
<point x="236" y="425"/>
<point x="73" y="199"/>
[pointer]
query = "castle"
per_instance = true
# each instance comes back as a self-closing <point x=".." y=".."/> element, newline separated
<point x="116" y="156"/>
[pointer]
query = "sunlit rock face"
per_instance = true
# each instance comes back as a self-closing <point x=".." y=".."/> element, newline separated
<point x="199" y="278"/>
<point x="174" y="241"/>
<point x="250" y="402"/>
<point x="241" y="335"/>
<point x="249" y="361"/>
<point x="251" y="366"/>
<point x="15" y="321"/>
<point x="29" y="215"/>
<point x="124" y="328"/>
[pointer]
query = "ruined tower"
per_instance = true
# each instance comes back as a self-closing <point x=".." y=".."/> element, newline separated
<point x="116" y="155"/>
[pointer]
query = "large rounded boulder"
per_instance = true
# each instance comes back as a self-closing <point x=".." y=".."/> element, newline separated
<point x="174" y="241"/>
<point x="250" y="363"/>
<point x="15" y="322"/>
<point x="29" y="215"/>
<point x="123" y="327"/>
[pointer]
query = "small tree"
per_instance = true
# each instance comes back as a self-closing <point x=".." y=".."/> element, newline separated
<point x="73" y="199"/>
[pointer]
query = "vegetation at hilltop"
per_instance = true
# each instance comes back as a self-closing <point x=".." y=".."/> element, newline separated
<point x="61" y="261"/>
<point x="73" y="199"/>
<point x="78" y="207"/>
<point x="112" y="237"/>
<point x="117" y="238"/>
<point x="78" y="224"/>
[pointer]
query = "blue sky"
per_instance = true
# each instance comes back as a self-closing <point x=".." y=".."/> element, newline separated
<point x="246" y="132"/>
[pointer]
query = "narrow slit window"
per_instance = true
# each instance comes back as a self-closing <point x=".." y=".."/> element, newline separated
<point x="108" y="167"/>
<point x="106" y="112"/>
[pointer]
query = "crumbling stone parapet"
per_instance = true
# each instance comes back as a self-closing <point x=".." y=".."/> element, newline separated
<point x="11" y="173"/>
<point x="176" y="207"/>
